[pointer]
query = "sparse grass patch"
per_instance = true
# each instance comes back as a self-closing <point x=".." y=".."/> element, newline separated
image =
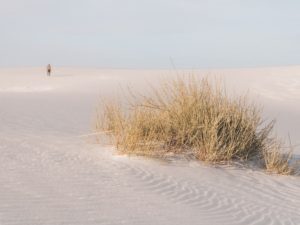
<point x="195" y="117"/>
<point x="277" y="162"/>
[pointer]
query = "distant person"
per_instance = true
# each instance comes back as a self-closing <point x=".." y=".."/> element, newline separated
<point x="49" y="70"/>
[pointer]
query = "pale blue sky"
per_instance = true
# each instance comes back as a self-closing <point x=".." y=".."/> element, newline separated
<point x="146" y="33"/>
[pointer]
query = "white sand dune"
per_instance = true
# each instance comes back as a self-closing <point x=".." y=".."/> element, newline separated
<point x="51" y="173"/>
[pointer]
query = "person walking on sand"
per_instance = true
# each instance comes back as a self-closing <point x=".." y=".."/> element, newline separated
<point x="49" y="70"/>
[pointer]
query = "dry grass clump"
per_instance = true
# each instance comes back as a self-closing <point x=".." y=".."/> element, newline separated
<point x="190" y="116"/>
<point x="276" y="162"/>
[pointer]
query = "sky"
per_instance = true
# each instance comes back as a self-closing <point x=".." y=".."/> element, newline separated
<point x="150" y="33"/>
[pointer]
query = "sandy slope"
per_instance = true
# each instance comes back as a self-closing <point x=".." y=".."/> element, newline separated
<point x="50" y="173"/>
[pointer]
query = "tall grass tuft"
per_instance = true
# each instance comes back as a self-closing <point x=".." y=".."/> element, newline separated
<point x="193" y="116"/>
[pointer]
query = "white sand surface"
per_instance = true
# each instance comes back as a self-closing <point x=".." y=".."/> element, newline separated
<point x="51" y="173"/>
